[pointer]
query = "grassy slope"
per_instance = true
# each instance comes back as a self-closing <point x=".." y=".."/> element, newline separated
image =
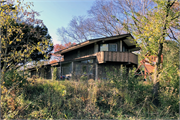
<point x="87" y="100"/>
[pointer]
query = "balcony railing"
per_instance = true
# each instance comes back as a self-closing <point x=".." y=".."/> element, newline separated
<point x="107" y="56"/>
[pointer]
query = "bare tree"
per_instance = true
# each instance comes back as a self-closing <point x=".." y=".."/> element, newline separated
<point x="100" y="21"/>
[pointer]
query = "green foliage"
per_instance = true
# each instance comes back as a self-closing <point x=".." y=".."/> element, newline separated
<point x="153" y="30"/>
<point x="34" y="100"/>
<point x="169" y="99"/>
<point x="55" y="73"/>
<point x="22" y="38"/>
<point x="12" y="77"/>
<point x="136" y="97"/>
<point x="122" y="96"/>
<point x="83" y="78"/>
<point x="170" y="72"/>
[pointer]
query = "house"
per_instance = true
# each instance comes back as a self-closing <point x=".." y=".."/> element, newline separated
<point x="92" y="57"/>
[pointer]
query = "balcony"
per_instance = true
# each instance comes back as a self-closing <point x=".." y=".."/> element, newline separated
<point x="107" y="56"/>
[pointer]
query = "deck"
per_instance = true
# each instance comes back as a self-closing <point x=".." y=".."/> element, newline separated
<point x="107" y="56"/>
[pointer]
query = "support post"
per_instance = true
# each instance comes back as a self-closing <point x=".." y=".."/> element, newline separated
<point x="72" y="71"/>
<point x="120" y="45"/>
<point x="96" y="71"/>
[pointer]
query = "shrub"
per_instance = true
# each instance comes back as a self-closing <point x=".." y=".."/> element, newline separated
<point x="12" y="77"/>
<point x="120" y="97"/>
<point x="55" y="73"/>
<point x="83" y="78"/>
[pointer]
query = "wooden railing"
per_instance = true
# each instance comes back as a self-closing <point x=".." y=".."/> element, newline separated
<point x="105" y="56"/>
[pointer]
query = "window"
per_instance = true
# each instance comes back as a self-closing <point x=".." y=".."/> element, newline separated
<point x="112" y="47"/>
<point x="104" y="47"/>
<point x="108" y="47"/>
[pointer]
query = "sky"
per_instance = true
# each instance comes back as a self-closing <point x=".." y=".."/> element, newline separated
<point x="58" y="13"/>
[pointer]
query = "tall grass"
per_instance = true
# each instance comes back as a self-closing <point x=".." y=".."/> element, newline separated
<point x="120" y="97"/>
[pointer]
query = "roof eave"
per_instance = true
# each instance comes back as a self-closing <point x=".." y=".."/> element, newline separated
<point x="91" y="42"/>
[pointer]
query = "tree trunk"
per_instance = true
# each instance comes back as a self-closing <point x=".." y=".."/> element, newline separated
<point x="156" y="75"/>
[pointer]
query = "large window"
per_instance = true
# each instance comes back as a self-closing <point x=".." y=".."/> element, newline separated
<point x="112" y="47"/>
<point x="108" y="47"/>
<point x="104" y="47"/>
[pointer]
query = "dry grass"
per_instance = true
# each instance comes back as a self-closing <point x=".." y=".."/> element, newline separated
<point x="45" y="99"/>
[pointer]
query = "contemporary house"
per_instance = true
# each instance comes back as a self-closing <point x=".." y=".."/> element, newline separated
<point x="91" y="58"/>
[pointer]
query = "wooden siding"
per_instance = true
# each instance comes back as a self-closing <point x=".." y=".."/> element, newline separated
<point x="84" y="51"/>
<point x="105" y="56"/>
<point x="87" y="50"/>
<point x="70" y="55"/>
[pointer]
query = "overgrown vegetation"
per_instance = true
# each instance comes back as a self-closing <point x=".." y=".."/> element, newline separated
<point x="119" y="97"/>
<point x="122" y="96"/>
<point x="55" y="73"/>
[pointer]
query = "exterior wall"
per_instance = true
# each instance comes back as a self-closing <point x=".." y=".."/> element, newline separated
<point x="95" y="48"/>
<point x="87" y="50"/>
<point x="70" y="55"/>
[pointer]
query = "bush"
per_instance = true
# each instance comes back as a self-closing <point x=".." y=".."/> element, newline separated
<point x="11" y="90"/>
<point x="55" y="73"/>
<point x="12" y="77"/>
<point x="120" y="97"/>
<point x="83" y="78"/>
<point x="136" y="97"/>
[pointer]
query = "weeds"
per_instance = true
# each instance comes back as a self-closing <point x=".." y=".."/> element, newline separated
<point x="120" y="97"/>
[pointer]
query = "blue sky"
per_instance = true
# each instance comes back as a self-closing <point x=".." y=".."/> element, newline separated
<point x="58" y="13"/>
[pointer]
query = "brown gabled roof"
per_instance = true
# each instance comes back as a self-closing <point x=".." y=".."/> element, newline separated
<point x="94" y="41"/>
